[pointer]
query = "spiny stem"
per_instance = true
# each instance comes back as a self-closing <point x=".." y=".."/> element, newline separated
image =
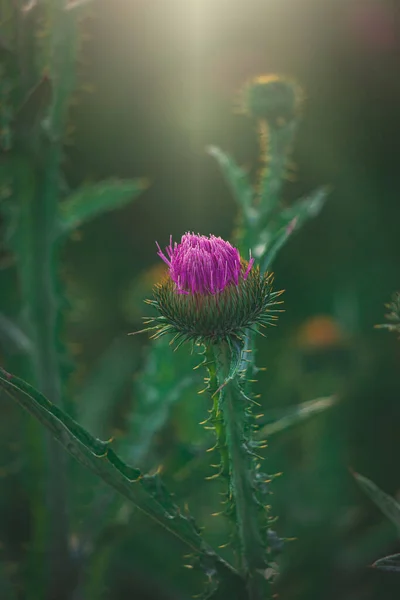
<point x="216" y="415"/>
<point x="37" y="274"/>
<point x="62" y="71"/>
<point x="275" y="143"/>
<point x="39" y="282"/>
<point x="233" y="406"/>
<point x="263" y="135"/>
<point x="35" y="254"/>
<point x="44" y="318"/>
<point x="275" y="147"/>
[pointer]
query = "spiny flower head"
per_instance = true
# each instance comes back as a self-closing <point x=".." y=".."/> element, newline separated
<point x="210" y="293"/>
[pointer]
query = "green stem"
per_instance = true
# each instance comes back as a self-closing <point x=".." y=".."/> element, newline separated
<point x="275" y="157"/>
<point x="258" y="224"/>
<point x="275" y="145"/>
<point x="233" y="406"/>
<point x="36" y="258"/>
<point x="44" y="317"/>
<point x="45" y="312"/>
<point x="216" y="418"/>
<point x="34" y="249"/>
<point x="38" y="272"/>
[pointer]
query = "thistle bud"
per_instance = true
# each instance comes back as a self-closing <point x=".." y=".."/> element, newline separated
<point x="272" y="98"/>
<point x="210" y="293"/>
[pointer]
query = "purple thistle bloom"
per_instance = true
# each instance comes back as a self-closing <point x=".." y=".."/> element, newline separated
<point x="203" y="265"/>
<point x="210" y="295"/>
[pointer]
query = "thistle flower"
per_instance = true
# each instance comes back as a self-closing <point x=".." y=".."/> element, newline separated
<point x="202" y="265"/>
<point x="210" y="293"/>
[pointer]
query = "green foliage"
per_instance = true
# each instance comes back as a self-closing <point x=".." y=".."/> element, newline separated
<point x="275" y="147"/>
<point x="387" y="504"/>
<point x="276" y="234"/>
<point x="39" y="77"/>
<point x="266" y="225"/>
<point x="146" y="492"/>
<point x="72" y="110"/>
<point x="247" y="485"/>
<point x="266" y="231"/>
<point x="164" y="379"/>
<point x="389" y="563"/>
<point x="268" y="424"/>
<point x="393" y="315"/>
<point x="391" y="509"/>
<point x="264" y="228"/>
<point x="89" y="201"/>
<point x="237" y="180"/>
<point x="274" y="421"/>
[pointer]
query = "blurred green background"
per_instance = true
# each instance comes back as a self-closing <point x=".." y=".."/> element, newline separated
<point x="158" y="79"/>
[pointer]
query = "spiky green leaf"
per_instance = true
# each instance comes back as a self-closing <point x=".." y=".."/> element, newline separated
<point x="294" y="416"/>
<point x="288" y="221"/>
<point x="393" y="315"/>
<point x="306" y="208"/>
<point x="235" y="176"/>
<point x="147" y="493"/>
<point x="91" y="201"/>
<point x="388" y="563"/>
<point x="387" y="504"/>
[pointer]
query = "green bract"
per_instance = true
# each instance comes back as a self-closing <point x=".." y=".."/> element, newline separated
<point x="215" y="317"/>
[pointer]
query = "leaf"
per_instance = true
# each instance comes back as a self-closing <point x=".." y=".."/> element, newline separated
<point x="147" y="493"/>
<point x="388" y="563"/>
<point x="289" y="220"/>
<point x="306" y="208"/>
<point x="271" y="249"/>
<point x="296" y="415"/>
<point x="166" y="376"/>
<point x="387" y="504"/>
<point x="235" y="177"/>
<point x="277" y="421"/>
<point x="393" y="315"/>
<point x="91" y="201"/>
